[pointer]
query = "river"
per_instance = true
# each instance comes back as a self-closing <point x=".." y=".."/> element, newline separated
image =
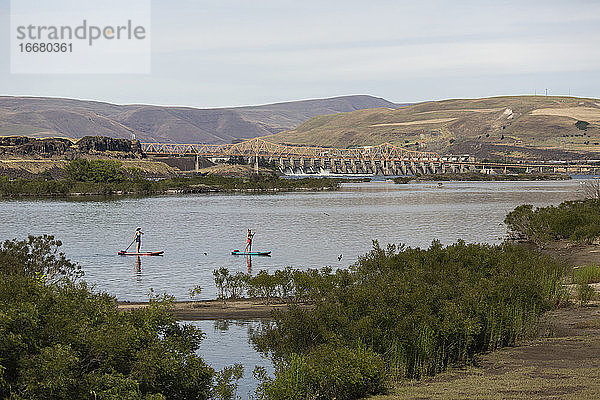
<point x="302" y="229"/>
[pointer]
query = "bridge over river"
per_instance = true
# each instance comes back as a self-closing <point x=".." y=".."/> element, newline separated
<point x="383" y="159"/>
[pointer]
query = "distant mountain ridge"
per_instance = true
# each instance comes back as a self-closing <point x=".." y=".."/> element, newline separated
<point x="45" y="116"/>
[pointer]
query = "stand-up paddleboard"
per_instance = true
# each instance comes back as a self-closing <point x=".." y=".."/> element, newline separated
<point x="147" y="253"/>
<point x="251" y="253"/>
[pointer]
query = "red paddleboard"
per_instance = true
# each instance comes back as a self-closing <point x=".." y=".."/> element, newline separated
<point x="148" y="253"/>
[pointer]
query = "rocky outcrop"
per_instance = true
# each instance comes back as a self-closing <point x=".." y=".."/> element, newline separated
<point x="94" y="144"/>
<point x="23" y="146"/>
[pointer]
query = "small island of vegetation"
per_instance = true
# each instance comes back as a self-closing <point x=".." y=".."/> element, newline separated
<point x="478" y="176"/>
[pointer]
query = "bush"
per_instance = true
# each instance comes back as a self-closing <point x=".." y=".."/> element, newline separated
<point x="582" y="125"/>
<point x="585" y="293"/>
<point x="328" y="372"/>
<point x="576" y="221"/>
<point x="37" y="257"/>
<point x="59" y="340"/>
<point x="64" y="342"/>
<point x="97" y="171"/>
<point x="416" y="310"/>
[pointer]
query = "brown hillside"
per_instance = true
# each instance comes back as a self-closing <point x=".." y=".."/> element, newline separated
<point x="46" y="117"/>
<point x="499" y="127"/>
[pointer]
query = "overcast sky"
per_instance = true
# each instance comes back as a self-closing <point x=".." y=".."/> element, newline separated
<point x="240" y="52"/>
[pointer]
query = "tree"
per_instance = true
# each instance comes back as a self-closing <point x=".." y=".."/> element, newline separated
<point x="60" y="340"/>
<point x="98" y="171"/>
<point x="582" y="125"/>
<point x="37" y="257"/>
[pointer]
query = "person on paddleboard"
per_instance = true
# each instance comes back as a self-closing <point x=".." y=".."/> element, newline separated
<point x="249" y="244"/>
<point x="137" y="238"/>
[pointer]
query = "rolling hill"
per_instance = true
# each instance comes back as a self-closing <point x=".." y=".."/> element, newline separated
<point x="537" y="127"/>
<point x="43" y="117"/>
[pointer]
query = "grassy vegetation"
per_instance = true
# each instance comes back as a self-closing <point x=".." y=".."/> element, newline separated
<point x="576" y="221"/>
<point x="515" y="381"/>
<point x="59" y="340"/>
<point x="105" y="177"/>
<point x="562" y="366"/>
<point x="586" y="274"/>
<point x="478" y="176"/>
<point x="398" y="313"/>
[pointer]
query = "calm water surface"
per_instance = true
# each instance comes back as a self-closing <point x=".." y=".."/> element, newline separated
<point x="226" y="342"/>
<point x="198" y="232"/>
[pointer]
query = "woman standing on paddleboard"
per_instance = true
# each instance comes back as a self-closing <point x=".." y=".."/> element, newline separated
<point x="249" y="244"/>
<point x="138" y="238"/>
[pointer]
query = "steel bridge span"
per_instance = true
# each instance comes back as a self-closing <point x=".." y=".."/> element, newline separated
<point x="383" y="159"/>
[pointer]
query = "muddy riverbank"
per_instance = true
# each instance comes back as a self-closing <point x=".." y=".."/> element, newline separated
<point x="217" y="309"/>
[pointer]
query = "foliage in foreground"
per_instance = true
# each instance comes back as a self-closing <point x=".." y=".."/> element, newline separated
<point x="37" y="257"/>
<point x="59" y="340"/>
<point x="576" y="221"/>
<point x="406" y="313"/>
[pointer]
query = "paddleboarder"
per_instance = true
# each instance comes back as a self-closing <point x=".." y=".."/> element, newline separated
<point x="249" y="244"/>
<point x="138" y="238"/>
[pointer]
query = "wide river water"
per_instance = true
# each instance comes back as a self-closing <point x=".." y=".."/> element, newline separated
<point x="198" y="232"/>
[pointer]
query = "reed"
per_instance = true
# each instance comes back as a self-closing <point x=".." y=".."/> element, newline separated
<point x="419" y="310"/>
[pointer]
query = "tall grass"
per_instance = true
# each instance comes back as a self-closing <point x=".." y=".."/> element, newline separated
<point x="586" y="274"/>
<point x="420" y="310"/>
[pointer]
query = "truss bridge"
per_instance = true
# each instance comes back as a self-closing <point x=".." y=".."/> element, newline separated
<point x="383" y="159"/>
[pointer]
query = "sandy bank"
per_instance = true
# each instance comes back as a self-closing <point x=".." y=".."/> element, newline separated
<point x="215" y="309"/>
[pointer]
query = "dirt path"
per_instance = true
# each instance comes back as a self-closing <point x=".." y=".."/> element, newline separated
<point x="573" y="254"/>
<point x="215" y="309"/>
<point x="562" y="364"/>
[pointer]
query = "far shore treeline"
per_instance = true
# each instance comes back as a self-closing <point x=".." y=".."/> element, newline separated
<point x="110" y="177"/>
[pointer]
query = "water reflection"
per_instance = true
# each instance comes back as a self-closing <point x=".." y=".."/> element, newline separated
<point x="225" y="324"/>
<point x="138" y="268"/>
<point x="227" y="342"/>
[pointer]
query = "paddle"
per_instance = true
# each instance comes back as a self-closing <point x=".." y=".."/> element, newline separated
<point x="124" y="251"/>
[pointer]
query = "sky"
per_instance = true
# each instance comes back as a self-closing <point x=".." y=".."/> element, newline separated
<point x="241" y="52"/>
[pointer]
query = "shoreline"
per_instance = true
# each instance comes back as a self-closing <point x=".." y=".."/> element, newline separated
<point x="201" y="310"/>
<point x="167" y="192"/>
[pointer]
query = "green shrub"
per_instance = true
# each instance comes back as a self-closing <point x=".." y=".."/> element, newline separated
<point x="36" y="257"/>
<point x="585" y="293"/>
<point x="98" y="171"/>
<point x="582" y="125"/>
<point x="59" y="340"/>
<point x="577" y="221"/>
<point x="327" y="372"/>
<point x="417" y="310"/>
